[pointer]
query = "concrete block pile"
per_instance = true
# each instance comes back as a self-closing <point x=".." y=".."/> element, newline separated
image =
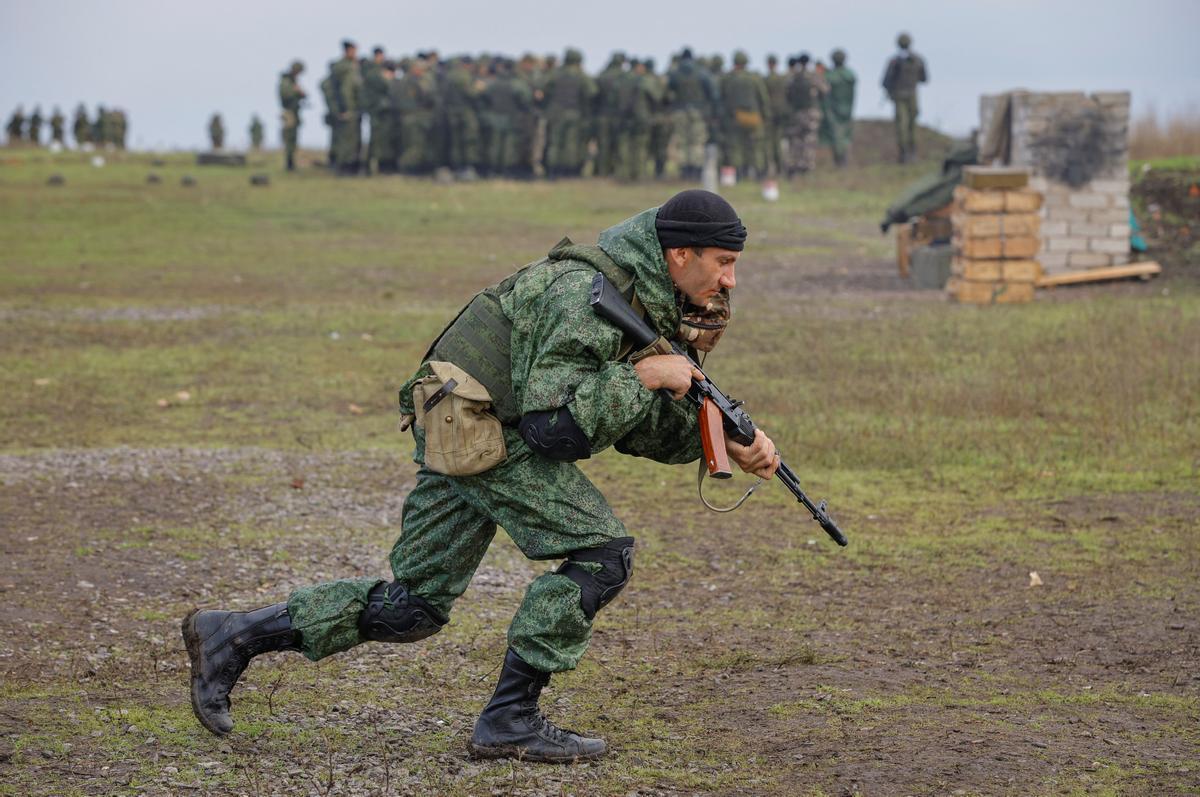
<point x="1076" y="148"/>
<point x="997" y="227"/>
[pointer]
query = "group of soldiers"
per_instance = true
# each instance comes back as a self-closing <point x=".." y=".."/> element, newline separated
<point x="108" y="129"/>
<point x="527" y="117"/>
<point x="216" y="132"/>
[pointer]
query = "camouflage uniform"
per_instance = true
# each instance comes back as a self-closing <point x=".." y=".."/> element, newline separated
<point x="81" y="128"/>
<point x="460" y="105"/>
<point x="691" y="97"/>
<point x="414" y="99"/>
<point x="562" y="355"/>
<point x="804" y="119"/>
<point x="216" y="131"/>
<point x="569" y="95"/>
<point x="660" y="125"/>
<point x="777" y="85"/>
<point x="375" y="103"/>
<point x="256" y="133"/>
<point x="637" y="98"/>
<point x="507" y="104"/>
<point x="35" y="126"/>
<point x="348" y="92"/>
<point x="747" y="109"/>
<point x="900" y="79"/>
<point x="58" y="127"/>
<point x="15" y="127"/>
<point x="607" y="116"/>
<point x="837" y="108"/>
<point x="291" y="97"/>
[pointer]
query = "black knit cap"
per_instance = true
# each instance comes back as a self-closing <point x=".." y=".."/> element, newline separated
<point x="699" y="218"/>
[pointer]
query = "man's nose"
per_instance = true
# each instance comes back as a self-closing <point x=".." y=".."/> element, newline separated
<point x="728" y="280"/>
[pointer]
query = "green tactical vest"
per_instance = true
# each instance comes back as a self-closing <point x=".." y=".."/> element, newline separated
<point x="479" y="339"/>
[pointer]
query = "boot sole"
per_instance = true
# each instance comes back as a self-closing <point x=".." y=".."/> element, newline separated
<point x="521" y="754"/>
<point x="192" y="640"/>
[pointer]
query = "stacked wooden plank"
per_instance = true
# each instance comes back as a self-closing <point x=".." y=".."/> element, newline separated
<point x="996" y="237"/>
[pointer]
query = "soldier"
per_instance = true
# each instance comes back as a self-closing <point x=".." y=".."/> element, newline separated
<point x="804" y="93"/>
<point x="58" y="125"/>
<point x="120" y="128"/>
<point x="460" y="106"/>
<point x="900" y="79"/>
<point x="837" y="111"/>
<point x="692" y="97"/>
<point x="16" y="126"/>
<point x="507" y="103"/>
<point x="291" y="98"/>
<point x="607" y="117"/>
<point x="556" y="376"/>
<point x="660" y="122"/>
<point x="415" y="102"/>
<point x="637" y="97"/>
<point x="347" y="80"/>
<point x="216" y="132"/>
<point x="35" y="126"/>
<point x="256" y="133"/>
<point x="81" y="128"/>
<point x="386" y="151"/>
<point x="777" y="84"/>
<point x="569" y="94"/>
<point x="375" y="103"/>
<point x="747" y="108"/>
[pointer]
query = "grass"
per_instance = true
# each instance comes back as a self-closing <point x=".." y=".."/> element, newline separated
<point x="961" y="448"/>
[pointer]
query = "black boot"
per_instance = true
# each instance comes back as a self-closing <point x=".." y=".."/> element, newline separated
<point x="512" y="725"/>
<point x="220" y="645"/>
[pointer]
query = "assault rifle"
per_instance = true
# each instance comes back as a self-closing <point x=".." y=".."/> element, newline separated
<point x="719" y="414"/>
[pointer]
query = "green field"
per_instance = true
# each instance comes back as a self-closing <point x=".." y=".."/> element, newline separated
<point x="199" y="391"/>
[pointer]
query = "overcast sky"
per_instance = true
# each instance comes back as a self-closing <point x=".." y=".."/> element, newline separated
<point x="171" y="63"/>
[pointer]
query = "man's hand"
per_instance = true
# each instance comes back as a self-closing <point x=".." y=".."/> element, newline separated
<point x="758" y="458"/>
<point x="669" y="371"/>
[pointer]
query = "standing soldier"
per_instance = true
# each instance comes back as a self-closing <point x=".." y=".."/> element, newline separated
<point x="15" y="126"/>
<point x="256" y="133"/>
<point x="777" y="84"/>
<point x="569" y="94"/>
<point x="216" y="132"/>
<point x="636" y="101"/>
<point x="804" y="94"/>
<point x="460" y="102"/>
<point x="660" y="124"/>
<point x="838" y="108"/>
<point x="35" y="126"/>
<point x="506" y="103"/>
<point x="58" y="125"/>
<point x="120" y="127"/>
<point x="900" y="79"/>
<point x="348" y="94"/>
<point x="416" y="105"/>
<point x="291" y="97"/>
<point x="375" y="98"/>
<point x="383" y="123"/>
<point x="81" y="128"/>
<point x="607" y="117"/>
<point x="747" y="108"/>
<point x="691" y="97"/>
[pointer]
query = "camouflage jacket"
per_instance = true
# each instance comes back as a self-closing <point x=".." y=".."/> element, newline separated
<point x="564" y="355"/>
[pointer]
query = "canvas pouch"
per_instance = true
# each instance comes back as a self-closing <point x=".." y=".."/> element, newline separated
<point x="462" y="435"/>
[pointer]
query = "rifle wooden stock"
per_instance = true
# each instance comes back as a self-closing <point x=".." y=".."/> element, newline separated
<point x="712" y="437"/>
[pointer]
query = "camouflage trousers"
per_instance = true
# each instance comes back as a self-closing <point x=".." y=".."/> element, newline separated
<point x="548" y="509"/>
<point x="689" y="134"/>
<point x="906" y="126"/>
<point x="802" y="140"/>
<point x="347" y="141"/>
<point x="566" y="144"/>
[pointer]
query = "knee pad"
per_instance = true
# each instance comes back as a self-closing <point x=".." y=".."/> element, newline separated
<point x="395" y="615"/>
<point x="599" y="588"/>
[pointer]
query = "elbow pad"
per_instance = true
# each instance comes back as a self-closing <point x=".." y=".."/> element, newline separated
<point x="555" y="435"/>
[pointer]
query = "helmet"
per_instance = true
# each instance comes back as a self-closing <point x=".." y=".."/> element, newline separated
<point x="572" y="56"/>
<point x="838" y="57"/>
<point x="296" y="68"/>
<point x="740" y="58"/>
<point x="904" y="40"/>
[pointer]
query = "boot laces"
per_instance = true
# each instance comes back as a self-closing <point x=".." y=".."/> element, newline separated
<point x="539" y="722"/>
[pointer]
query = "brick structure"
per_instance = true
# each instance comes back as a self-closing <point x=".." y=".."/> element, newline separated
<point x="1076" y="148"/>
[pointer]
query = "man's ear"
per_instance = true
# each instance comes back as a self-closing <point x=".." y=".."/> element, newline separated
<point x="676" y="256"/>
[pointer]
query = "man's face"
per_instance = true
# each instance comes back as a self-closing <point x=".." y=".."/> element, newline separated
<point x="701" y="274"/>
<point x="352" y="53"/>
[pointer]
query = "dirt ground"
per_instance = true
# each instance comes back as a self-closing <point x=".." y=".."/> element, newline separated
<point x="746" y="657"/>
